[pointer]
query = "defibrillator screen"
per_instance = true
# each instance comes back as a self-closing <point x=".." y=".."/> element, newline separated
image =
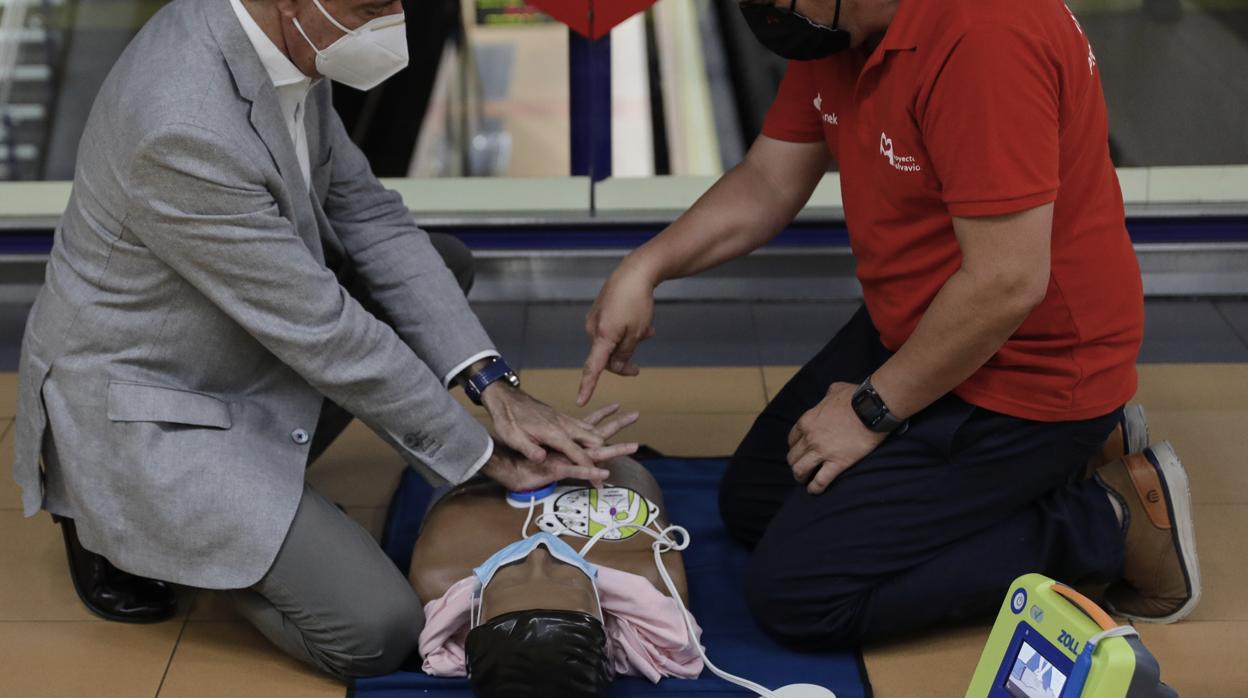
<point x="1033" y="676"/>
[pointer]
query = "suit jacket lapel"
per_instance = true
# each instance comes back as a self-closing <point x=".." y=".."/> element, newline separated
<point x="255" y="86"/>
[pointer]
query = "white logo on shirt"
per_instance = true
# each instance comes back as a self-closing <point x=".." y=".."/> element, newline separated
<point x="902" y="163"/>
<point x="1091" y="56"/>
<point x="827" y="118"/>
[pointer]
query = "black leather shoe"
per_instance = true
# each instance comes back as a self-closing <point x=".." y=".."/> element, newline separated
<point x="111" y="593"/>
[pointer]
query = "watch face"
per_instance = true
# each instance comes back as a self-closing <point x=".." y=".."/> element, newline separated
<point x="867" y="399"/>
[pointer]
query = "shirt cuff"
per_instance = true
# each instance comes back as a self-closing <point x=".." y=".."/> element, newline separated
<point x="450" y="376"/>
<point x="485" y="458"/>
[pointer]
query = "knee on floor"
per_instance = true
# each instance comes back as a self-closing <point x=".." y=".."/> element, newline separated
<point x="798" y="610"/>
<point x="379" y="644"/>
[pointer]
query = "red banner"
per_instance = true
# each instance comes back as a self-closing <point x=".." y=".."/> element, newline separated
<point x="605" y="14"/>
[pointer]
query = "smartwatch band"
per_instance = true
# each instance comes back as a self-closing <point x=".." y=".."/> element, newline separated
<point x="872" y="411"/>
<point x="494" y="371"/>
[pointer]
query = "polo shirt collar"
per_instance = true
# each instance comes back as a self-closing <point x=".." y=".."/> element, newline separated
<point x="281" y="71"/>
<point x="903" y="32"/>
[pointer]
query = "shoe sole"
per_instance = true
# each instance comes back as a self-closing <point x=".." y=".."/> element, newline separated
<point x="1135" y="428"/>
<point x="1179" y="501"/>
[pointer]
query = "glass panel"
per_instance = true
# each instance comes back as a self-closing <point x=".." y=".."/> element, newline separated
<point x="485" y="92"/>
<point x="517" y="103"/>
<point x="1173" y="72"/>
<point x="1174" y="76"/>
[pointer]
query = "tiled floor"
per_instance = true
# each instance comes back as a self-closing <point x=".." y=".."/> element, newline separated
<point x="50" y="646"/>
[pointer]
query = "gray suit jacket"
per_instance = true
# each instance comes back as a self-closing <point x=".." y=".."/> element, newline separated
<point x="176" y="360"/>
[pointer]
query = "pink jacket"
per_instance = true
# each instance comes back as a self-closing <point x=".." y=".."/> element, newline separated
<point x="645" y="633"/>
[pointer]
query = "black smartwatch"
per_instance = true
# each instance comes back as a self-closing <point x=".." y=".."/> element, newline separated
<point x="494" y="371"/>
<point x="870" y="408"/>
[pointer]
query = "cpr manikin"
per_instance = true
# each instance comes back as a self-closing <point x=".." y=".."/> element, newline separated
<point x="554" y="592"/>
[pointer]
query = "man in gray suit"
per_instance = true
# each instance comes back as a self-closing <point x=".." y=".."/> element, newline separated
<point x="196" y="318"/>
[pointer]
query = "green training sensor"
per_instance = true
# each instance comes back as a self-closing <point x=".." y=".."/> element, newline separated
<point x="1050" y="641"/>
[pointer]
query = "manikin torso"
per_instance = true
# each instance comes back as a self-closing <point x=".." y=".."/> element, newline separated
<point x="473" y="521"/>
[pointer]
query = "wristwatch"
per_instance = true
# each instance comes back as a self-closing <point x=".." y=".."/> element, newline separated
<point x="496" y="370"/>
<point x="870" y="408"/>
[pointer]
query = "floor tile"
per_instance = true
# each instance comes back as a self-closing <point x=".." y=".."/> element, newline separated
<point x="505" y="324"/>
<point x="1211" y="444"/>
<point x="688" y="334"/>
<point x="932" y="664"/>
<point x="34" y="576"/>
<point x="1194" y="387"/>
<point x="101" y="660"/>
<point x="692" y="390"/>
<point x="792" y="333"/>
<point x="8" y="395"/>
<point x="1220" y="532"/>
<point x="775" y="378"/>
<point x="1190" y="332"/>
<point x="216" y="659"/>
<point x="358" y="470"/>
<point x="1204" y="659"/>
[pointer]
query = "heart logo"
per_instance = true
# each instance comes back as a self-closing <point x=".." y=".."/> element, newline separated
<point x="591" y="18"/>
<point x="886" y="147"/>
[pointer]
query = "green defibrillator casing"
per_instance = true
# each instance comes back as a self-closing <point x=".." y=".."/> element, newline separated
<point x="1050" y="641"/>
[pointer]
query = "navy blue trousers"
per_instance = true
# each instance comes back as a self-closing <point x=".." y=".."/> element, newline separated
<point x="928" y="529"/>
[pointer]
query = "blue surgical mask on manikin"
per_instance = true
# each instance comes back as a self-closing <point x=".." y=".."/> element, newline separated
<point x="524" y="547"/>
<point x="521" y="549"/>
<point x="366" y="56"/>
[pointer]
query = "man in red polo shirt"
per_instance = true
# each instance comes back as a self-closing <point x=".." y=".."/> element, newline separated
<point x="938" y="446"/>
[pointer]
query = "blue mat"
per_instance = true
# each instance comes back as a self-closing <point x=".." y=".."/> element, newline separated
<point x="714" y="567"/>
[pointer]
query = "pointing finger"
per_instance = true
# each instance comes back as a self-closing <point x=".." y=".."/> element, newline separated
<point x="599" y="353"/>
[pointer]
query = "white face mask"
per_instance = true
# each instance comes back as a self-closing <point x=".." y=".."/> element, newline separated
<point x="366" y="56"/>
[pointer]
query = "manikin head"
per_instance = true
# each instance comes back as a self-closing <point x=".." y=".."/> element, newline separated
<point x="540" y="631"/>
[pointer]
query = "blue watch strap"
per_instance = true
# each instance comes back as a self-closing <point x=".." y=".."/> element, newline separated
<point x="496" y="370"/>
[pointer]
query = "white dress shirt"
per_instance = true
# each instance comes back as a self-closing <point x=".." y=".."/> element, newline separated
<point x="292" y="94"/>
<point x="292" y="85"/>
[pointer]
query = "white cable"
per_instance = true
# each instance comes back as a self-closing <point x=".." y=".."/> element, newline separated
<point x="663" y="543"/>
<point x="524" y="532"/>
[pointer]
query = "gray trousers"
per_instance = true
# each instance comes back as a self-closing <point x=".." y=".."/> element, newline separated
<point x="332" y="599"/>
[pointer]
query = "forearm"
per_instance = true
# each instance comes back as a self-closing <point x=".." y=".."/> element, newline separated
<point x="748" y="206"/>
<point x="736" y="216"/>
<point x="969" y="321"/>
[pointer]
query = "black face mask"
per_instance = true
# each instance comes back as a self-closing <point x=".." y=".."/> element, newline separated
<point x="536" y="654"/>
<point x="793" y="36"/>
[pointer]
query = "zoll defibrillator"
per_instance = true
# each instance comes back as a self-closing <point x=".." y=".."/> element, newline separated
<point x="1050" y="641"/>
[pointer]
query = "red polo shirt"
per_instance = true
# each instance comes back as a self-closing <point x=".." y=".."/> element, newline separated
<point x="980" y="108"/>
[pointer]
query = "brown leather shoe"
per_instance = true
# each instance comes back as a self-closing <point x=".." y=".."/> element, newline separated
<point x="1130" y="435"/>
<point x="1161" y="580"/>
